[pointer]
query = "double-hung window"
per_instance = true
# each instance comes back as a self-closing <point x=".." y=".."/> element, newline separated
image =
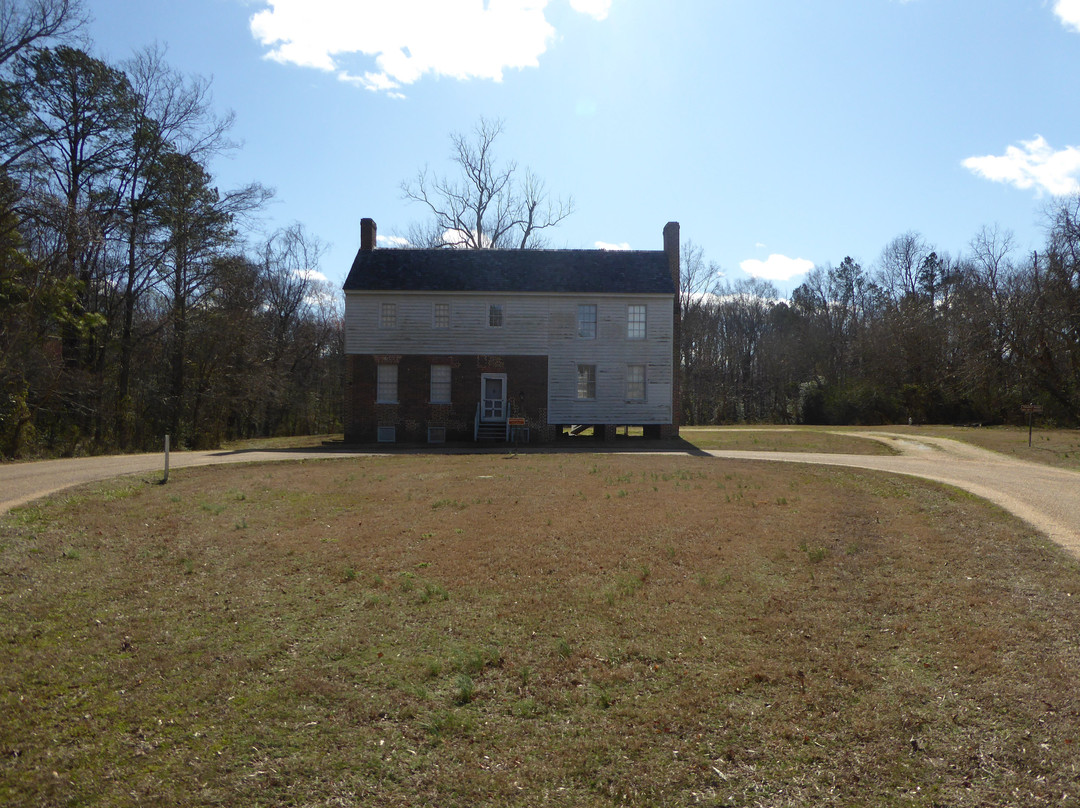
<point x="386" y="384"/>
<point x="635" y="382"/>
<point x="440" y="317"/>
<point x="586" y="382"/>
<point x="440" y="384"/>
<point x="635" y="321"/>
<point x="495" y="315"/>
<point x="586" y="321"/>
<point x="388" y="315"/>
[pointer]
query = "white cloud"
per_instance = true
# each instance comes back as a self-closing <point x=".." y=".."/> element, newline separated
<point x="391" y="241"/>
<point x="597" y="9"/>
<point x="1068" y="11"/>
<point x="776" y="267"/>
<point x="1032" y="164"/>
<point x="400" y="42"/>
<point x="603" y="245"/>
<point x="312" y="275"/>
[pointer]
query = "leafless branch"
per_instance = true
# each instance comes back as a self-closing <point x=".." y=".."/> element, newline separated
<point x="486" y="205"/>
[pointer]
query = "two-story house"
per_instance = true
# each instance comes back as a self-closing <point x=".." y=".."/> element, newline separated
<point x="463" y="344"/>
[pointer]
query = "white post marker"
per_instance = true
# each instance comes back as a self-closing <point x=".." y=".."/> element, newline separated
<point x="166" y="478"/>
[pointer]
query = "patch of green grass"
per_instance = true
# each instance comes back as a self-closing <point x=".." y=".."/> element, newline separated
<point x="815" y="555"/>
<point x="119" y="490"/>
<point x="26" y="515"/>
<point x="464" y="689"/>
<point x="526" y="708"/>
<point x="447" y="724"/>
<point x="454" y="504"/>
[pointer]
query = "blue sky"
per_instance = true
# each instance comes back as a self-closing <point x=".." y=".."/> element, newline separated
<point x="780" y="133"/>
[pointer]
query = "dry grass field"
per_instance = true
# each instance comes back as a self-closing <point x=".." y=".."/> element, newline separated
<point x="781" y="439"/>
<point x="1054" y="447"/>
<point x="561" y="629"/>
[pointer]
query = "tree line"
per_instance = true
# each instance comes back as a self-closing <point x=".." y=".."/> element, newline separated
<point x="920" y="335"/>
<point x="137" y="298"/>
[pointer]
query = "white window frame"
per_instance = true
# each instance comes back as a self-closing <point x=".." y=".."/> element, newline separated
<point x="496" y="315"/>
<point x="586" y="320"/>
<point x="640" y="383"/>
<point x="440" y="387"/>
<point x="586" y="383"/>
<point x="437" y="321"/>
<point x="388" y="315"/>
<point x="386" y="384"/>
<point x="636" y="328"/>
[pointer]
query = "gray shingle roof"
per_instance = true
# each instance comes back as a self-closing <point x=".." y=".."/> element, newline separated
<point x="574" y="271"/>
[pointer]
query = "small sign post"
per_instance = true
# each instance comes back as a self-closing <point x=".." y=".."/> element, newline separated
<point x="165" y="479"/>
<point x="1030" y="410"/>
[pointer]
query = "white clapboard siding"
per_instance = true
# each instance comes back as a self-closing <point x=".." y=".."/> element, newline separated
<point x="535" y="325"/>
<point x="610" y="405"/>
<point x="524" y="330"/>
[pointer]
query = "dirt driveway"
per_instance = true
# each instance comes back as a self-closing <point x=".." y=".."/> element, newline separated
<point x="24" y="482"/>
<point x="1047" y="498"/>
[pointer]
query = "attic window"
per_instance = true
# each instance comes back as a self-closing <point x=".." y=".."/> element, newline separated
<point x="495" y="315"/>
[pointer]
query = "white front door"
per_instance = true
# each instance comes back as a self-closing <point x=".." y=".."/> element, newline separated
<point x="493" y="396"/>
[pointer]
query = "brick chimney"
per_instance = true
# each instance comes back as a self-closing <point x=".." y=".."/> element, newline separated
<point x="367" y="234"/>
<point x="671" y="250"/>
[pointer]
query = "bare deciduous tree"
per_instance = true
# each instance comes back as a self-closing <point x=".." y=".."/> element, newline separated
<point x="24" y="23"/>
<point x="898" y="267"/>
<point x="489" y="205"/>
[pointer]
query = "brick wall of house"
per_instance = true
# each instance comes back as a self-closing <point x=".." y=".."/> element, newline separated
<point x="413" y="414"/>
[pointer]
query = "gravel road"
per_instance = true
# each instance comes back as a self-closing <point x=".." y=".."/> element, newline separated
<point x="1048" y="498"/>
<point x="24" y="482"/>
<point x="1045" y="497"/>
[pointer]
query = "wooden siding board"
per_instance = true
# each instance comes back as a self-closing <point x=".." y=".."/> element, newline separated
<point x="535" y="325"/>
